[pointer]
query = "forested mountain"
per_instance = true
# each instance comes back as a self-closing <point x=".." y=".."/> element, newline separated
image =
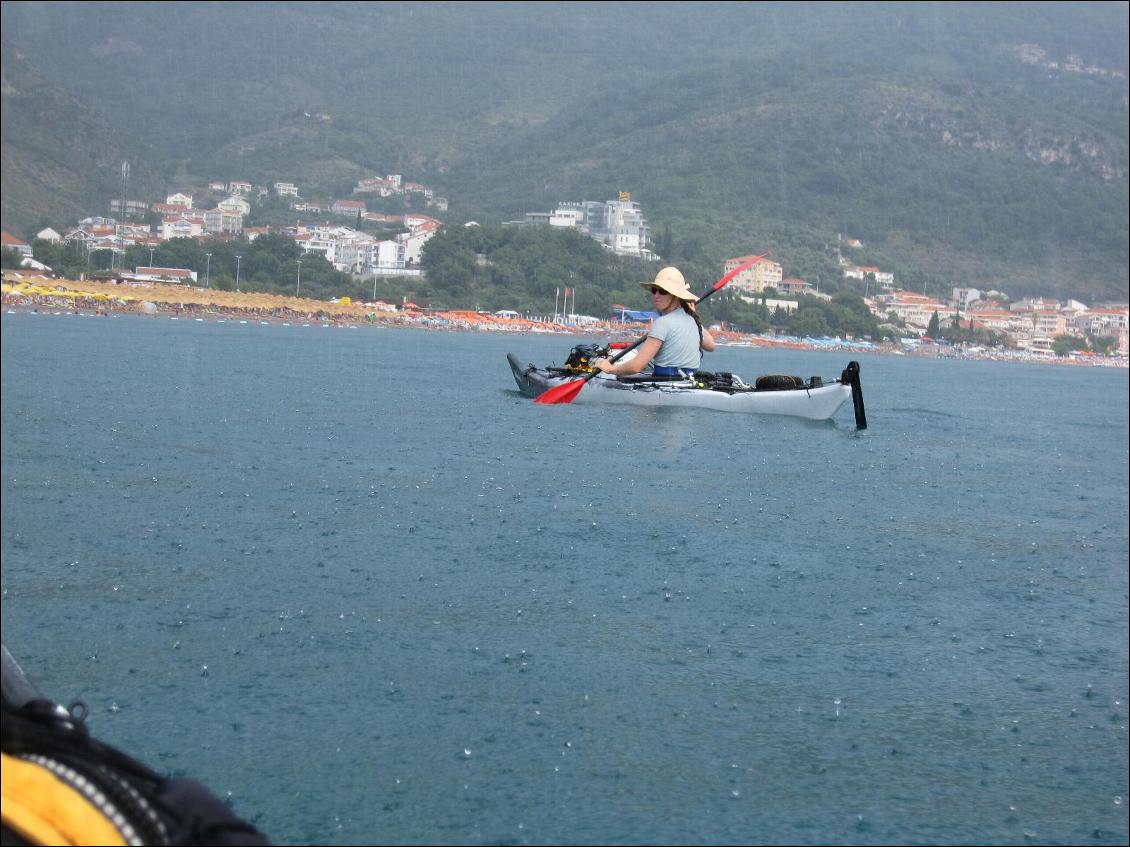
<point x="61" y="159"/>
<point x="964" y="144"/>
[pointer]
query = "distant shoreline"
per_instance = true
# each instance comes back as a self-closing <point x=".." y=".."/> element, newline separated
<point x="92" y="299"/>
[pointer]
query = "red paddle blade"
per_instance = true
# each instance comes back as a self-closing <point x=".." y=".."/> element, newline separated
<point x="563" y="393"/>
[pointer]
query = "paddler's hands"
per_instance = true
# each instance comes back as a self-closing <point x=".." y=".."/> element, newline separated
<point x="602" y="365"/>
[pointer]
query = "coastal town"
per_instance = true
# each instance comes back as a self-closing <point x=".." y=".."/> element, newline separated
<point x="1038" y="328"/>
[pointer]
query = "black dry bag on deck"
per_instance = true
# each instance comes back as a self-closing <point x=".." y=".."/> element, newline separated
<point x="61" y="786"/>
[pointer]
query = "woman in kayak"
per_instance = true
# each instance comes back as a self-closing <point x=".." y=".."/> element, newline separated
<point x="676" y="340"/>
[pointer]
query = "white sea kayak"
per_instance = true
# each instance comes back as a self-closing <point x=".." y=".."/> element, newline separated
<point x="777" y="394"/>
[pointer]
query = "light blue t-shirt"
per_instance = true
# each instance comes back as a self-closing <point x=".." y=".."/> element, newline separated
<point x="679" y="334"/>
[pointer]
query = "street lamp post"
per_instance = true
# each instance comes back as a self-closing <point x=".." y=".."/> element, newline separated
<point x="237" y="258"/>
<point x="150" y="257"/>
<point x="298" y="285"/>
<point x="208" y="271"/>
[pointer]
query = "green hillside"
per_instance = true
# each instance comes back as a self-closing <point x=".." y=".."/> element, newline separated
<point x="933" y="180"/>
<point x="61" y="160"/>
<point x="963" y="144"/>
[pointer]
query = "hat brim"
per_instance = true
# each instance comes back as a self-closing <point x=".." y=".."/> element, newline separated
<point x="683" y="294"/>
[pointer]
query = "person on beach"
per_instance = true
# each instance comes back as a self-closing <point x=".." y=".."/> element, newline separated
<point x="676" y="340"/>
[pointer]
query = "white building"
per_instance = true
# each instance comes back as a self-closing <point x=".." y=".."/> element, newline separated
<point x="351" y="254"/>
<point x="180" y="227"/>
<point x="384" y="257"/>
<point x="569" y="218"/>
<point x="627" y="229"/>
<point x="221" y="220"/>
<point x="179" y="199"/>
<point x="236" y="205"/>
<point x="620" y="224"/>
<point x="414" y="242"/>
<point x="323" y="245"/>
<point x="10" y="242"/>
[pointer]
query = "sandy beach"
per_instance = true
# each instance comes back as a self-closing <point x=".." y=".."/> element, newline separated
<point x="163" y="300"/>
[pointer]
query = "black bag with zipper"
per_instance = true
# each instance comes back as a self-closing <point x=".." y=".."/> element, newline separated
<point x="61" y="785"/>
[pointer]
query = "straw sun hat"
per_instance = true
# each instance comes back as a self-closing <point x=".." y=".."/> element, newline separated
<point x="671" y="281"/>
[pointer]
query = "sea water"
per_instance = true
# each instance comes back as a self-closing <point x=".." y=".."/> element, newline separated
<point x="355" y="583"/>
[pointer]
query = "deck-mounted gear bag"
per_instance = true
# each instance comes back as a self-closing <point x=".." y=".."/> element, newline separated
<point x="61" y="786"/>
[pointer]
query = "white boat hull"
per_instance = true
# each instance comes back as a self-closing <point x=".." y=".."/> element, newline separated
<point x="815" y="403"/>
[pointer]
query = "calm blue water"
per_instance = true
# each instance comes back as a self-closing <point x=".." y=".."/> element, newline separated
<point x="352" y="580"/>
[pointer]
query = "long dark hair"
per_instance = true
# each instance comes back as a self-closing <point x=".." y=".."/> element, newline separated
<point x="698" y="321"/>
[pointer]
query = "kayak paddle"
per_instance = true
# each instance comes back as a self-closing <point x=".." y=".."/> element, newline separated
<point x="567" y="391"/>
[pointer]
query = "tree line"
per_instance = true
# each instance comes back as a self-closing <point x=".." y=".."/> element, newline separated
<point x="488" y="268"/>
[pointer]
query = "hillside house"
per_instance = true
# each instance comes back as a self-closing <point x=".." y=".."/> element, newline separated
<point x="133" y="208"/>
<point x="415" y="221"/>
<point x="757" y="277"/>
<point x="323" y="245"/>
<point x="220" y="220"/>
<point x="180" y="227"/>
<point x="376" y="185"/>
<point x="348" y="208"/>
<point x="382" y="218"/>
<point x="1102" y="321"/>
<point x="794" y="286"/>
<point x="915" y="310"/>
<point x="167" y="210"/>
<point x="994" y="319"/>
<point x="1034" y="304"/>
<point x="234" y="205"/>
<point x="1048" y="324"/>
<point x="10" y="242"/>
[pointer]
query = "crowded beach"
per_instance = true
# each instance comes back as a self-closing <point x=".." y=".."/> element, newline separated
<point x="104" y="299"/>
